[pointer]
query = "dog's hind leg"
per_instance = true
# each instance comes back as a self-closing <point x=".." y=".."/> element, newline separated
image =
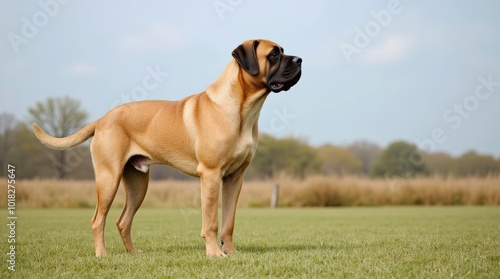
<point x="108" y="165"/>
<point x="107" y="185"/>
<point x="136" y="186"/>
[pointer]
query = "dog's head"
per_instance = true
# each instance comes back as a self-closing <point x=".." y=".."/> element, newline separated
<point x="266" y="62"/>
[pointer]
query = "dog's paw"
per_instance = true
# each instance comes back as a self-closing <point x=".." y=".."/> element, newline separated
<point x="101" y="254"/>
<point x="228" y="248"/>
<point x="230" y="252"/>
<point x="215" y="252"/>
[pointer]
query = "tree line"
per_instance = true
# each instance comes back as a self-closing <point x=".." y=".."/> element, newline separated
<point x="292" y="156"/>
<point x="400" y="159"/>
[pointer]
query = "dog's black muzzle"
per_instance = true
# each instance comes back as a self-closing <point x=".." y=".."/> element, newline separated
<point x="286" y="75"/>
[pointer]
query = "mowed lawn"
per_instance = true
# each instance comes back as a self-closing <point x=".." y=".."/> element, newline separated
<point x="356" y="242"/>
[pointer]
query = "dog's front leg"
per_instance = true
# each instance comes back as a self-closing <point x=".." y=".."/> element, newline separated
<point x="231" y="188"/>
<point x="210" y="184"/>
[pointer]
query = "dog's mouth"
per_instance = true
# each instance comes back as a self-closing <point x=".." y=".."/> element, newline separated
<point x="278" y="86"/>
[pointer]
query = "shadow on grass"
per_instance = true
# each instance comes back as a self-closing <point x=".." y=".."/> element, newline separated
<point x="244" y="249"/>
<point x="285" y="248"/>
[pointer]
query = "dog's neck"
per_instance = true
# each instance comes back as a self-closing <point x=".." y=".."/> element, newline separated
<point x="228" y="93"/>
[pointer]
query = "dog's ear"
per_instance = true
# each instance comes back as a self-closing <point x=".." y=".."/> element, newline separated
<point x="246" y="56"/>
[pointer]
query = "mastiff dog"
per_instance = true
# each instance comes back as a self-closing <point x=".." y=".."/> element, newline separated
<point x="212" y="135"/>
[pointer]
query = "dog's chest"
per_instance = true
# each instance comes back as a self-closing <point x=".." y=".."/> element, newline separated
<point x="244" y="147"/>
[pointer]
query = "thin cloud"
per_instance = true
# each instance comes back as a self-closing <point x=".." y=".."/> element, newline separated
<point x="392" y="49"/>
<point x="157" y="37"/>
<point x="83" y="69"/>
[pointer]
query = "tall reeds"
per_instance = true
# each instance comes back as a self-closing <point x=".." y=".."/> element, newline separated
<point x="312" y="191"/>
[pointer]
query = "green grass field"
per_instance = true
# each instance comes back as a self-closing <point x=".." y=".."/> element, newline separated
<point x="384" y="242"/>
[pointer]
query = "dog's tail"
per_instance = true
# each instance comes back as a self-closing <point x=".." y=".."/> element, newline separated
<point x="66" y="142"/>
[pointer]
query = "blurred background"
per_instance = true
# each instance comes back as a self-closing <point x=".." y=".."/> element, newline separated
<point x="389" y="88"/>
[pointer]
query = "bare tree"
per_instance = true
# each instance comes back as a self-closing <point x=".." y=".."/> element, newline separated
<point x="59" y="117"/>
<point x="8" y="124"/>
<point x="367" y="152"/>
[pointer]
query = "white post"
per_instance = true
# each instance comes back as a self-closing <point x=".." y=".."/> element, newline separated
<point x="274" y="196"/>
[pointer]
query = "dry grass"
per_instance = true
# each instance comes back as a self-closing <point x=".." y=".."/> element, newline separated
<point x="355" y="191"/>
<point x="312" y="191"/>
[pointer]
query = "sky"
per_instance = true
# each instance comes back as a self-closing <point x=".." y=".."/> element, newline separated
<point x="427" y="72"/>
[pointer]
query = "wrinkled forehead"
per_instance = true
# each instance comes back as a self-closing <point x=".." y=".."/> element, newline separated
<point x="265" y="47"/>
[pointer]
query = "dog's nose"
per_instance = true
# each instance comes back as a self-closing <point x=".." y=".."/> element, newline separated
<point x="297" y="60"/>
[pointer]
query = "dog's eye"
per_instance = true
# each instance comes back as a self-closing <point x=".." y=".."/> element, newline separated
<point x="274" y="53"/>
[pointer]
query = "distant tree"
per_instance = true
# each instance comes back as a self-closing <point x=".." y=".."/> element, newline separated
<point x="338" y="160"/>
<point x="440" y="163"/>
<point x="28" y="155"/>
<point x="8" y="124"/>
<point x="474" y="164"/>
<point x="32" y="161"/>
<point x="367" y="152"/>
<point x="289" y="155"/>
<point x="400" y="159"/>
<point x="59" y="117"/>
